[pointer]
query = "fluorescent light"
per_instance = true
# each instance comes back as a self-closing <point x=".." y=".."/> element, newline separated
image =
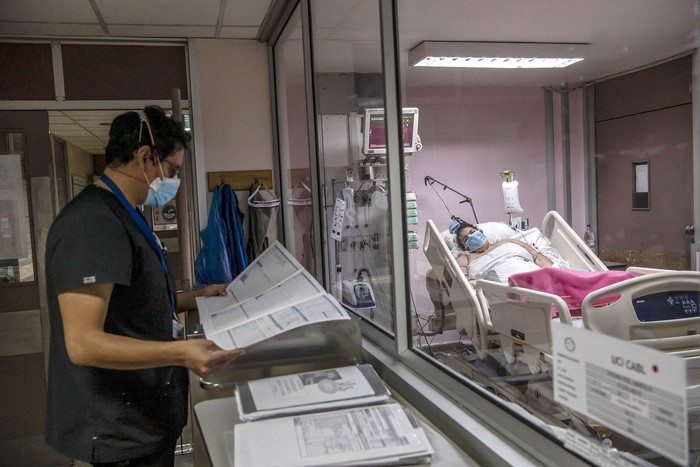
<point x="496" y="54"/>
<point x="497" y="62"/>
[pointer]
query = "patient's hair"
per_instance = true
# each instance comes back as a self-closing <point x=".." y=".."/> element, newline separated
<point x="462" y="243"/>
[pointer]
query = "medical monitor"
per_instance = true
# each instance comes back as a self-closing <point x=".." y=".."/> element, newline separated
<point x="374" y="131"/>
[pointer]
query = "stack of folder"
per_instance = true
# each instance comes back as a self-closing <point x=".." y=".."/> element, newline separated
<point x="338" y="416"/>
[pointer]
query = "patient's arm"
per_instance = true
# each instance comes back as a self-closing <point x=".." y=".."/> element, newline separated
<point x="463" y="261"/>
<point x="541" y="260"/>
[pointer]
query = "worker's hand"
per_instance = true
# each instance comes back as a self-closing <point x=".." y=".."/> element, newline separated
<point x="215" y="289"/>
<point x="204" y="357"/>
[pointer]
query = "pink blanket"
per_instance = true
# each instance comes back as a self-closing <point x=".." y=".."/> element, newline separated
<point x="572" y="286"/>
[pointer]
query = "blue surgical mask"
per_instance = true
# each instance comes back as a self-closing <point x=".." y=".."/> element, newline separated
<point x="160" y="191"/>
<point x="475" y="240"/>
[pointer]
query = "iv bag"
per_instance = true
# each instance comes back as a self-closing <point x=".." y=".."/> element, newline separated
<point x="511" y="199"/>
<point x="350" y="213"/>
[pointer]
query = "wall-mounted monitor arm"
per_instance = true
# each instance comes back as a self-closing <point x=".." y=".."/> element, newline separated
<point x="428" y="180"/>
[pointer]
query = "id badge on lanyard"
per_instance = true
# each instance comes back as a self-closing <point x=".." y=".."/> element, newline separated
<point x="178" y="332"/>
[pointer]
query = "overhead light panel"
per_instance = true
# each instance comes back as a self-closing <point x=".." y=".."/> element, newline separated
<point x="496" y="54"/>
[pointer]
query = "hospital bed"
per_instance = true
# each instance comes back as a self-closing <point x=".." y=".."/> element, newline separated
<point x="450" y="289"/>
<point x="656" y="308"/>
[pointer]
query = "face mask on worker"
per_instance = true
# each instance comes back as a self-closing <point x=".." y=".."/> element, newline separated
<point x="162" y="189"/>
<point x="475" y="240"/>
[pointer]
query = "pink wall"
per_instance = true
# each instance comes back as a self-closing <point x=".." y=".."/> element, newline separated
<point x="469" y="136"/>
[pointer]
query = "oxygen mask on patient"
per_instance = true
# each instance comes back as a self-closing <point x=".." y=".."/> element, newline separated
<point x="475" y="240"/>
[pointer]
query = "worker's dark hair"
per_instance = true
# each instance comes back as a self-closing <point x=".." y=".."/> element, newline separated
<point x="168" y="134"/>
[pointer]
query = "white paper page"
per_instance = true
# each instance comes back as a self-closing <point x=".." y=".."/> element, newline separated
<point x="329" y="438"/>
<point x="295" y="289"/>
<point x="274" y="265"/>
<point x="207" y="306"/>
<point x="310" y="388"/>
<point x="321" y="308"/>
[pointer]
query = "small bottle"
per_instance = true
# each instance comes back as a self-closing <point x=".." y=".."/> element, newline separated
<point x="589" y="237"/>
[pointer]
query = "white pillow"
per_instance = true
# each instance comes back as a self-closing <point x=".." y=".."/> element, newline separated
<point x="496" y="231"/>
<point x="450" y="240"/>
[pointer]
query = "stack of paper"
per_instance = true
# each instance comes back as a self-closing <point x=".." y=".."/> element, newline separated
<point x="332" y="388"/>
<point x="374" y="435"/>
<point x="272" y="295"/>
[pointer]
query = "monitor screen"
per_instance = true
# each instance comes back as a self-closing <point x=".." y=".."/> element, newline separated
<point x="374" y="128"/>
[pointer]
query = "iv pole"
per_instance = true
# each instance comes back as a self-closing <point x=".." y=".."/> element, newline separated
<point x="430" y="180"/>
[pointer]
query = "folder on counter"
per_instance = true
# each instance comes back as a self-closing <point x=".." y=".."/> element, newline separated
<point x="310" y="391"/>
<point x="384" y="434"/>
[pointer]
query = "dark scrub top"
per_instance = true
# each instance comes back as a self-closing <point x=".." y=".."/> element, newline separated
<point x="94" y="414"/>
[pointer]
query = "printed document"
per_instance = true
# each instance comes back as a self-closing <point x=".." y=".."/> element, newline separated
<point x="272" y="295"/>
<point x="331" y="388"/>
<point x="370" y="435"/>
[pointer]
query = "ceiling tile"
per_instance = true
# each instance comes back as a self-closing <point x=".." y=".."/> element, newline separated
<point x="162" y="31"/>
<point x="245" y="12"/>
<point x="59" y="119"/>
<point x="50" y="29"/>
<point x="60" y="127"/>
<point x="238" y="32"/>
<point x="55" y="11"/>
<point x="200" y="12"/>
<point x="74" y="133"/>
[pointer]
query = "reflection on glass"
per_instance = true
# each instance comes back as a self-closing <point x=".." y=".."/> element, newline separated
<point x="348" y="79"/>
<point x="294" y="145"/>
<point x="16" y="264"/>
<point x="478" y="124"/>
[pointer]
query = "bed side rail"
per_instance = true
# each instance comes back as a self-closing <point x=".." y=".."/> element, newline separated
<point x="667" y="328"/>
<point x="569" y="244"/>
<point x="521" y="319"/>
<point x="452" y="281"/>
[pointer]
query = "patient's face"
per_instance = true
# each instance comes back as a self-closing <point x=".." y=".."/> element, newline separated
<point x="462" y="235"/>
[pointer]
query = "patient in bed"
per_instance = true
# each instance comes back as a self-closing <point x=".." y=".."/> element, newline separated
<point x="496" y="261"/>
<point x="517" y="263"/>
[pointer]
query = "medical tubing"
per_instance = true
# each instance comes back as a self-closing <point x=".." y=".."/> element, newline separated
<point x="428" y="180"/>
<point x="443" y="201"/>
<point x="423" y="333"/>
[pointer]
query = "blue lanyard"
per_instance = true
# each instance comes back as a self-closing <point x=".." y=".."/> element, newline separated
<point x="145" y="229"/>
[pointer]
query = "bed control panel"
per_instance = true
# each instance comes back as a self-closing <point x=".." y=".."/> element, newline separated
<point x="664" y="306"/>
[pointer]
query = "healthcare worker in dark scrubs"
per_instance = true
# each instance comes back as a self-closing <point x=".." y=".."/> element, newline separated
<point x="118" y="379"/>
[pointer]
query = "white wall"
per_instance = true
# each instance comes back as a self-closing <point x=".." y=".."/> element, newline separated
<point x="231" y="118"/>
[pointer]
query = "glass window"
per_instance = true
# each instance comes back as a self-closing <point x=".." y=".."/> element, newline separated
<point x="16" y="256"/>
<point x="502" y="145"/>
<point x="349" y="81"/>
<point x="294" y="143"/>
<point x="522" y="154"/>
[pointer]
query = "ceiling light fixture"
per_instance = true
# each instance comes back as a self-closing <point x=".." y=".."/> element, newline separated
<point x="496" y="54"/>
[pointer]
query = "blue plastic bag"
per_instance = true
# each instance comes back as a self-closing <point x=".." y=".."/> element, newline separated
<point x="223" y="255"/>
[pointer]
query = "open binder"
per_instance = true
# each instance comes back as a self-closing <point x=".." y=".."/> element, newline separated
<point x="274" y="294"/>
